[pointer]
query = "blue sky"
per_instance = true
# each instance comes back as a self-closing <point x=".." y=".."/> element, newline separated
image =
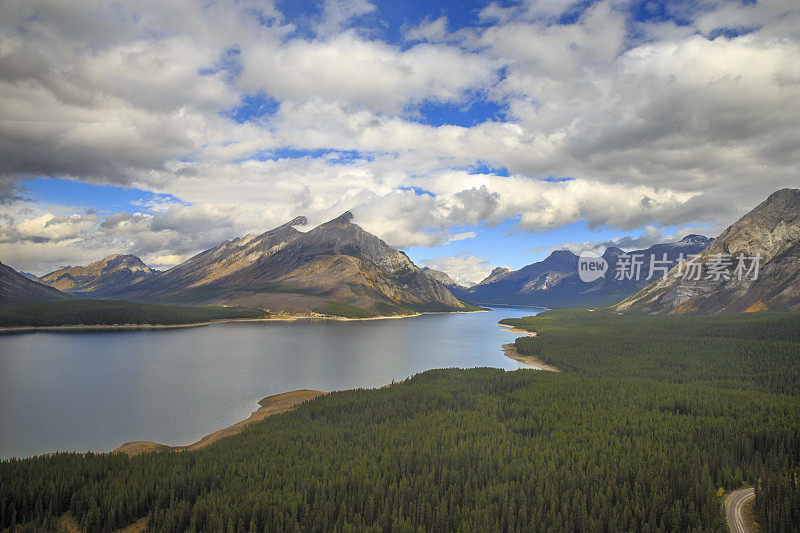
<point x="470" y="135"/>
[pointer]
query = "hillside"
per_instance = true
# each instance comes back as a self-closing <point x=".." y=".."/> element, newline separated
<point x="285" y="270"/>
<point x="100" y="277"/>
<point x="555" y="283"/>
<point x="17" y="289"/>
<point x="772" y="232"/>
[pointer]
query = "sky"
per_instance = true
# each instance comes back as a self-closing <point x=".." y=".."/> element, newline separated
<point x="468" y="134"/>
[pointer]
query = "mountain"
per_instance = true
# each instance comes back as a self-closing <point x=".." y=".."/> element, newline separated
<point x="554" y="282"/>
<point x="28" y="275"/>
<point x="101" y="277"/>
<point x="285" y="270"/>
<point x="443" y="278"/>
<point x="17" y="289"/>
<point x="771" y="230"/>
<point x="191" y="279"/>
<point x="495" y="275"/>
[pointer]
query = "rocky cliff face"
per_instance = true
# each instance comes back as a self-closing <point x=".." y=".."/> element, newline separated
<point x="771" y="231"/>
<point x="103" y="276"/>
<point x="555" y="282"/>
<point x="285" y="270"/>
<point x="16" y="289"/>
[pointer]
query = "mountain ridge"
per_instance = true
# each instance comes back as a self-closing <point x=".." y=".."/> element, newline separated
<point x="771" y="230"/>
<point x="17" y="289"/>
<point x="554" y="282"/>
<point x="99" y="277"/>
<point x="285" y="270"/>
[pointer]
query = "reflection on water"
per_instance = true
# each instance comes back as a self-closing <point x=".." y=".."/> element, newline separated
<point x="94" y="391"/>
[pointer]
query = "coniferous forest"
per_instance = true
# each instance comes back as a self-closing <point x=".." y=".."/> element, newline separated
<point x="649" y="421"/>
<point x="114" y="312"/>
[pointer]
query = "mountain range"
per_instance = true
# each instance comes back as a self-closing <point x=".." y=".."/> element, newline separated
<point x="555" y="283"/>
<point x="771" y="232"/>
<point x="337" y="263"/>
<point x="282" y="270"/>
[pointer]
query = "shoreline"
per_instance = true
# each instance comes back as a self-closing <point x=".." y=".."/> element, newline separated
<point x="271" y="405"/>
<point x="510" y="351"/>
<point x="78" y="328"/>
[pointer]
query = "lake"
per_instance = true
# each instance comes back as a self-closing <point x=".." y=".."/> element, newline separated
<point x="96" y="390"/>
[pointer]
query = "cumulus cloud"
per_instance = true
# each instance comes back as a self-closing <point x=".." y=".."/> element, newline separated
<point x="350" y="71"/>
<point x="462" y="268"/>
<point x="428" y="30"/>
<point x="49" y="227"/>
<point x="651" y="124"/>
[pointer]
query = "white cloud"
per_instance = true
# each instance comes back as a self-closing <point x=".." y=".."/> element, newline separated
<point x="49" y="227"/>
<point x="462" y="236"/>
<point x="428" y="30"/>
<point x="667" y="129"/>
<point x="649" y="237"/>
<point x="464" y="269"/>
<point x="338" y="13"/>
<point x="350" y="71"/>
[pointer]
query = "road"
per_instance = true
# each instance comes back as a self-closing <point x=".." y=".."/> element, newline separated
<point x="734" y="503"/>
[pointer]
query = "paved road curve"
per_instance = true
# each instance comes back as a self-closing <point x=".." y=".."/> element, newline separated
<point x="734" y="503"/>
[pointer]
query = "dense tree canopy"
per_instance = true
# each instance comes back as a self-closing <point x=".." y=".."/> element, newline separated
<point x="639" y="432"/>
<point x="113" y="312"/>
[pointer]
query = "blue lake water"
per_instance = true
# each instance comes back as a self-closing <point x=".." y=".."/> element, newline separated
<point x="97" y="390"/>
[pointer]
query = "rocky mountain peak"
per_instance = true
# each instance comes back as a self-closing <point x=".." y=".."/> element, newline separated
<point x="561" y="254"/>
<point x="99" y="276"/>
<point x="613" y="251"/>
<point x="495" y="275"/>
<point x="297" y="221"/>
<point x="442" y="277"/>
<point x="769" y="229"/>
<point x="344" y="218"/>
<point x="694" y="239"/>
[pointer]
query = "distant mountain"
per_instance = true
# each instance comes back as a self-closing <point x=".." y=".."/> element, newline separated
<point x="554" y="282"/>
<point x="443" y="278"/>
<point x="102" y="277"/>
<point x="28" y="275"/>
<point x="291" y="271"/>
<point x="17" y="289"/>
<point x="771" y="230"/>
<point x="495" y="275"/>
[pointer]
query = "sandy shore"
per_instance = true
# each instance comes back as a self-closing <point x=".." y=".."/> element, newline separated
<point x="271" y="405"/>
<point x="518" y="331"/>
<point x="510" y="351"/>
